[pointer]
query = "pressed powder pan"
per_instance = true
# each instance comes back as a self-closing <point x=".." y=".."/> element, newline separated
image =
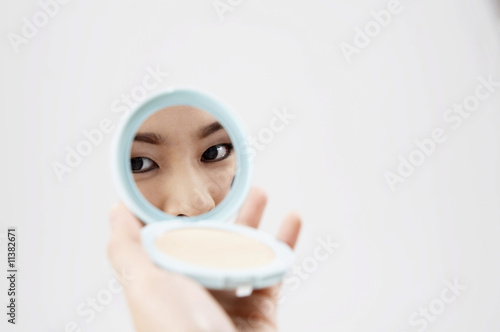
<point x="214" y="248"/>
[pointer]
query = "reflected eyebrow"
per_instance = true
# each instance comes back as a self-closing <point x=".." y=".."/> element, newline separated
<point x="150" y="138"/>
<point x="209" y="130"/>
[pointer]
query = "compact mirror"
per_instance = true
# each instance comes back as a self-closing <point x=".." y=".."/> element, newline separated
<point x="183" y="161"/>
<point x="182" y="154"/>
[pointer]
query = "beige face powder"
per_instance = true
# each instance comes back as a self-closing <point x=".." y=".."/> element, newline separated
<point x="214" y="248"/>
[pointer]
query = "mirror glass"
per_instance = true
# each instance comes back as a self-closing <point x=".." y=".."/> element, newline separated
<point x="182" y="161"/>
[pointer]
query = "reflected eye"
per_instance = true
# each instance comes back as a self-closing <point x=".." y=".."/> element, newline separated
<point x="142" y="164"/>
<point x="217" y="152"/>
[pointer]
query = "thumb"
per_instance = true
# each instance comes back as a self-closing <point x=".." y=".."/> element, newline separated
<point x="125" y="250"/>
<point x="124" y="224"/>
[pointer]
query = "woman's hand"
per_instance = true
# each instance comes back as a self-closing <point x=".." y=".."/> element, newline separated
<point x="164" y="301"/>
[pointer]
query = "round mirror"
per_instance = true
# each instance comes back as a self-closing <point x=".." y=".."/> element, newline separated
<point x="182" y="154"/>
<point x="183" y="161"/>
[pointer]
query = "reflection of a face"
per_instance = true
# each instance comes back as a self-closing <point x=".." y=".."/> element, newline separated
<point x="183" y="161"/>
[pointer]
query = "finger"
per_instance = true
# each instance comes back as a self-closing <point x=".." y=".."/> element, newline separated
<point x="125" y="250"/>
<point x="290" y="229"/>
<point x="253" y="208"/>
<point x="123" y="223"/>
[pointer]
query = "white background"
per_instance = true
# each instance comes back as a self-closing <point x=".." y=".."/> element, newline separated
<point x="352" y="121"/>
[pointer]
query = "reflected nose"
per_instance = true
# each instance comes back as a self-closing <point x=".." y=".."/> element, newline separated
<point x="186" y="194"/>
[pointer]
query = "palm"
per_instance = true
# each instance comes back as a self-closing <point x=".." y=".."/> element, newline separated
<point x="251" y="313"/>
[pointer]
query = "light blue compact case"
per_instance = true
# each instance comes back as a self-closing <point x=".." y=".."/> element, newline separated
<point x="220" y="218"/>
